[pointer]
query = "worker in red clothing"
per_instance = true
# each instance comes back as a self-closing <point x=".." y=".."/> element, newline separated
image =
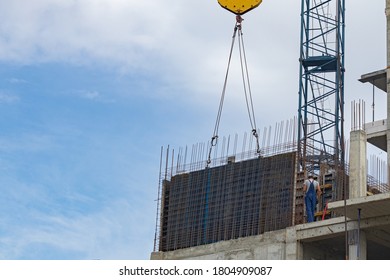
<point x="311" y="188"/>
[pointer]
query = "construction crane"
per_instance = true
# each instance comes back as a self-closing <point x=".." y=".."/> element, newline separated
<point x="238" y="7"/>
<point x="321" y="148"/>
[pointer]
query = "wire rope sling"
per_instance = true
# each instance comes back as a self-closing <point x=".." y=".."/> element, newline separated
<point x="237" y="33"/>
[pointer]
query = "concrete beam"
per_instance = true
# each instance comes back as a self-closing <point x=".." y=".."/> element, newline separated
<point x="336" y="226"/>
<point x="377" y="134"/>
<point x="321" y="230"/>
<point x="371" y="206"/>
<point x="377" y="78"/>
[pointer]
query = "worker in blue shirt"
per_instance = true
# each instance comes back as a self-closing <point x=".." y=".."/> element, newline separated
<point x="311" y="188"/>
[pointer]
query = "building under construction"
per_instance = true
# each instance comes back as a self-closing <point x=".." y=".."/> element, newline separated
<point x="243" y="198"/>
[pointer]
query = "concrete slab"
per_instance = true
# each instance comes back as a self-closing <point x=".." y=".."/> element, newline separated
<point x="371" y="206"/>
<point x="321" y="229"/>
<point x="377" y="78"/>
<point x="376" y="134"/>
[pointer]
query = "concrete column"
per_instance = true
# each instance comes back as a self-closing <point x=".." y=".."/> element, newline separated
<point x="357" y="164"/>
<point x="294" y="248"/>
<point x="157" y="256"/>
<point x="388" y="88"/>
<point x="357" y="245"/>
<point x="357" y="241"/>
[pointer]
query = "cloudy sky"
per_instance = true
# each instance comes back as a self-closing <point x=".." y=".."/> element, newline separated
<point x="90" y="90"/>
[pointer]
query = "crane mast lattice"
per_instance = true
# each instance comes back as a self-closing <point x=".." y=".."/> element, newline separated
<point x="321" y="88"/>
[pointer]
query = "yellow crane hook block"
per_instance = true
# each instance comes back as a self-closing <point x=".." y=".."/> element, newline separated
<point x="239" y="7"/>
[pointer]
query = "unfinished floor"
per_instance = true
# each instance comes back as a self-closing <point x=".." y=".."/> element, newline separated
<point x="253" y="209"/>
<point x="368" y="238"/>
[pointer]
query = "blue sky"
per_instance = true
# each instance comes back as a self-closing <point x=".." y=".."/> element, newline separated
<point x="91" y="89"/>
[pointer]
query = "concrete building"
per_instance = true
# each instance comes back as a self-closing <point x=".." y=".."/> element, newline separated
<point x="193" y="226"/>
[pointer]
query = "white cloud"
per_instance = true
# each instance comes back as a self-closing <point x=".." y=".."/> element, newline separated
<point x="91" y="94"/>
<point x="184" y="45"/>
<point x="27" y="142"/>
<point x="94" y="95"/>
<point x="17" y="81"/>
<point x="114" y="31"/>
<point x="116" y="231"/>
<point x="8" y="98"/>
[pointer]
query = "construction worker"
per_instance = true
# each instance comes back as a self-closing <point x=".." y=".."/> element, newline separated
<point x="311" y="188"/>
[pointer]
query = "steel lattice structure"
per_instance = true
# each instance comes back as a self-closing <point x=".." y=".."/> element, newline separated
<point x="321" y="87"/>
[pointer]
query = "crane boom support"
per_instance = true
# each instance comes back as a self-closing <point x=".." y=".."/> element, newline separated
<point x="239" y="7"/>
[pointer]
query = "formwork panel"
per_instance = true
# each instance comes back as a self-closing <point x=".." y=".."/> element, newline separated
<point x="226" y="202"/>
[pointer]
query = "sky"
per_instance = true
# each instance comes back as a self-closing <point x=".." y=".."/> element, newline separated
<point x="90" y="90"/>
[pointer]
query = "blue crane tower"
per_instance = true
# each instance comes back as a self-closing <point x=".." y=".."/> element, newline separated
<point x="321" y="89"/>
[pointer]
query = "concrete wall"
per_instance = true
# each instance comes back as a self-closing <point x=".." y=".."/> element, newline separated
<point x="388" y="85"/>
<point x="268" y="246"/>
<point x="276" y="245"/>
